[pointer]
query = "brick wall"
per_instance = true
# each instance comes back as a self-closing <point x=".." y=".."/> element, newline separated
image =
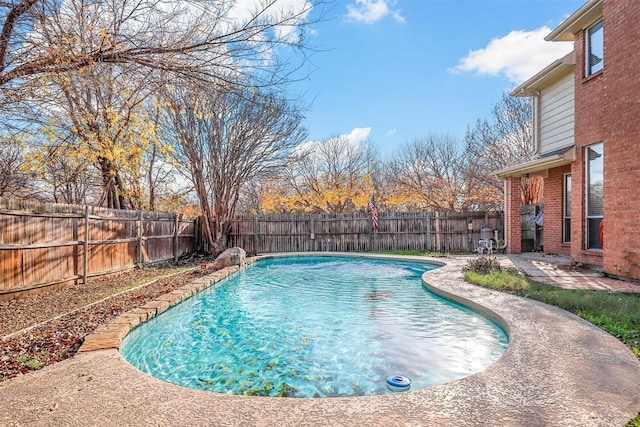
<point x="589" y="129"/>
<point x="607" y="109"/>
<point x="621" y="116"/>
<point x="554" y="211"/>
<point x="512" y="211"/>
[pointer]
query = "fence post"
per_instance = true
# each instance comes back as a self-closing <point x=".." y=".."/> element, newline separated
<point x="470" y="232"/>
<point x="140" y="256"/>
<point x="175" y="238"/>
<point x="197" y="230"/>
<point x="312" y="247"/>
<point x="255" y="234"/>
<point x="85" y="258"/>
<point x="427" y="230"/>
<point x="437" y="236"/>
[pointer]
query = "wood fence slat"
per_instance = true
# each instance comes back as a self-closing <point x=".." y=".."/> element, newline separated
<point x="44" y="244"/>
<point x="354" y="232"/>
<point x="85" y="254"/>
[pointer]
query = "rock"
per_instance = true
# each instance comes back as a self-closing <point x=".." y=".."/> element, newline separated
<point x="231" y="256"/>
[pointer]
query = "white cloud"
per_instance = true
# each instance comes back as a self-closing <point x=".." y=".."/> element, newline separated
<point x="517" y="56"/>
<point x="371" y="11"/>
<point x="356" y="137"/>
<point x="391" y="132"/>
<point x="243" y="10"/>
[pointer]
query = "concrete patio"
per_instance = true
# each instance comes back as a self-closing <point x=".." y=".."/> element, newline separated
<point x="556" y="270"/>
<point x="558" y="371"/>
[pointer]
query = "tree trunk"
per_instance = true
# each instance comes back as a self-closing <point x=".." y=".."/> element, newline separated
<point x="206" y="212"/>
<point x="112" y="186"/>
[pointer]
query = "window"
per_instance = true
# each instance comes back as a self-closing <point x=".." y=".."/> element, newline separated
<point x="566" y="225"/>
<point x="594" y="54"/>
<point x="594" y="156"/>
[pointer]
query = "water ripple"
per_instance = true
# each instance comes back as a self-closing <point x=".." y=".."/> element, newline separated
<point x="315" y="327"/>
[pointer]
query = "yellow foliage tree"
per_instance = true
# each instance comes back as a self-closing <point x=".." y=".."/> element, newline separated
<point x="104" y="120"/>
<point x="428" y="173"/>
<point x="333" y="176"/>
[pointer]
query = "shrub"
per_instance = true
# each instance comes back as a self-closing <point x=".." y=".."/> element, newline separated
<point x="482" y="265"/>
<point x="27" y="362"/>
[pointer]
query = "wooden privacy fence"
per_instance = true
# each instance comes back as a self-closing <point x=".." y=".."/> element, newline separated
<point x="421" y="231"/>
<point x="46" y="244"/>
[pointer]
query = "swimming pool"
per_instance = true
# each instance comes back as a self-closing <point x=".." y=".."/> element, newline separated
<point x="315" y="327"/>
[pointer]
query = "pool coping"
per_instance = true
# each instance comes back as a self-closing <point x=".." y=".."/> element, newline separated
<point x="558" y="370"/>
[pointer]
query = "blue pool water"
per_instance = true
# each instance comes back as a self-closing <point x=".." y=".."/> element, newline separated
<point x="315" y="327"/>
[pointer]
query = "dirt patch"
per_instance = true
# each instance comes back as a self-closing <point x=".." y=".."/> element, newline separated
<point x="75" y="317"/>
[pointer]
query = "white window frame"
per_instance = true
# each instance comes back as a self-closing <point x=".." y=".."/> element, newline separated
<point x="587" y="182"/>
<point x="566" y="202"/>
<point x="589" y="67"/>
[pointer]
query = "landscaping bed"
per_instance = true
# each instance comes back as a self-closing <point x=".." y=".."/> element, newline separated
<point x="77" y="311"/>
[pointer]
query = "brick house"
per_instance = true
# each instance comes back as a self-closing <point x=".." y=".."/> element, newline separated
<point x="586" y="120"/>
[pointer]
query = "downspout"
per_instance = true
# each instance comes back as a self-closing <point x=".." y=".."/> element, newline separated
<point x="503" y="245"/>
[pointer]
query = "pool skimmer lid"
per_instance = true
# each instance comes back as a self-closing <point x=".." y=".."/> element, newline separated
<point x="398" y="383"/>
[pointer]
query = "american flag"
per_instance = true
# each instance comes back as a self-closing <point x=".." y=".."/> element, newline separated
<point x="374" y="212"/>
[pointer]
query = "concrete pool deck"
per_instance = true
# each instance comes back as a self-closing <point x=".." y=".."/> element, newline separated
<point x="558" y="371"/>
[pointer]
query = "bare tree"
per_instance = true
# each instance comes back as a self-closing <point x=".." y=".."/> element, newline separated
<point x="260" y="196"/>
<point x="428" y="173"/>
<point x="13" y="180"/>
<point x="68" y="181"/>
<point x="164" y="188"/>
<point x="95" y="63"/>
<point x="331" y="176"/>
<point x="504" y="140"/>
<point x="219" y="40"/>
<point x="228" y="139"/>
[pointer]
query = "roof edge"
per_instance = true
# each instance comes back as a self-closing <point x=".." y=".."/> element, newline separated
<point x="532" y="86"/>
<point x="589" y="13"/>
<point x="539" y="164"/>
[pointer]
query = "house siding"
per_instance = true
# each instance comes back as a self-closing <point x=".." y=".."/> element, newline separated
<point x="557" y="115"/>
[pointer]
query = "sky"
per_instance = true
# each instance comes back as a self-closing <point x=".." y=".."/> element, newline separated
<point x="389" y="71"/>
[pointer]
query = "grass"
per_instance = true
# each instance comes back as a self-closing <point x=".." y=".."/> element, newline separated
<point x="498" y="280"/>
<point x="432" y="254"/>
<point x="616" y="313"/>
<point x="635" y="422"/>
